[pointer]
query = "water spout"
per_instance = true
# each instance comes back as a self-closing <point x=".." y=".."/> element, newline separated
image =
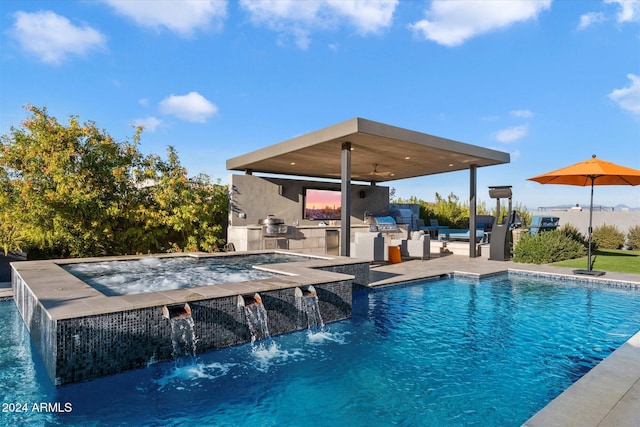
<point x="255" y="315"/>
<point x="307" y="302"/>
<point x="183" y="336"/>
<point x="176" y="311"/>
<point x="248" y="300"/>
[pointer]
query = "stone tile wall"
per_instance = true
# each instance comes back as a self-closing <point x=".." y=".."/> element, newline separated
<point x="82" y="348"/>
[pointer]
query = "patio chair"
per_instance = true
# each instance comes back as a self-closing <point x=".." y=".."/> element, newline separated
<point x="369" y="246"/>
<point x="418" y="246"/>
<point x="433" y="228"/>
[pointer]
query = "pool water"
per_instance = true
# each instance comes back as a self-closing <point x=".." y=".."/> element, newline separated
<point x="154" y="274"/>
<point x="449" y="352"/>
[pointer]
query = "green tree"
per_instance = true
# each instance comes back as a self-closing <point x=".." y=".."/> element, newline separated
<point x="71" y="190"/>
<point x="188" y="213"/>
<point x="451" y="211"/>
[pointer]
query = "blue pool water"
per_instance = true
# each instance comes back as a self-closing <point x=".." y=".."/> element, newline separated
<point x="154" y="274"/>
<point x="449" y="352"/>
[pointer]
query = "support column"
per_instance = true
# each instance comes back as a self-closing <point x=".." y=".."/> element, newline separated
<point x="345" y="189"/>
<point x="472" y="210"/>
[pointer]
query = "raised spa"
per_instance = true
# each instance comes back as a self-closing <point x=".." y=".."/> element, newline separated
<point x="84" y="329"/>
<point x="153" y="274"/>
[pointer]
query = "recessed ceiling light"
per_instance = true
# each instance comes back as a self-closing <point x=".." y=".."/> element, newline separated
<point x="407" y="158"/>
<point x="450" y="164"/>
<point x="292" y="163"/>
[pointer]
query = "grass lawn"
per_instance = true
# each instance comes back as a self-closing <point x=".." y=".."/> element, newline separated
<point x="608" y="260"/>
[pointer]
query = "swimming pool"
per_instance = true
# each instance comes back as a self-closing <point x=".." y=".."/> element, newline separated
<point x="448" y="352"/>
<point x="153" y="274"/>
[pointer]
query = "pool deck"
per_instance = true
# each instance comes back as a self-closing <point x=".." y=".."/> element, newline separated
<point x="608" y="395"/>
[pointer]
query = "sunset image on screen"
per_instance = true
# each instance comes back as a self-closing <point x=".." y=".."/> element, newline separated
<point x="322" y="204"/>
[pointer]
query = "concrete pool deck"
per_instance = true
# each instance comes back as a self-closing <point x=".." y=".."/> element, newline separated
<point x="608" y="395"/>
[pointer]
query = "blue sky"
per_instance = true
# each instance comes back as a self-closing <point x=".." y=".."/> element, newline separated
<point x="550" y="82"/>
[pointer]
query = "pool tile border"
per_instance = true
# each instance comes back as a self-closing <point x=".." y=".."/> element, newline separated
<point x="81" y="333"/>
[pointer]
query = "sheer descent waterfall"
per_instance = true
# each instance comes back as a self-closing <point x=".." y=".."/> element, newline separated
<point x="256" y="316"/>
<point x="307" y="302"/>
<point x="183" y="336"/>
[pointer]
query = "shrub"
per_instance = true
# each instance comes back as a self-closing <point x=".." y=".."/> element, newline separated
<point x="633" y="237"/>
<point x="574" y="234"/>
<point x="547" y="247"/>
<point x="607" y="237"/>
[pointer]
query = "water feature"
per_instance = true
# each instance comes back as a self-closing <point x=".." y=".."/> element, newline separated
<point x="83" y="333"/>
<point x="183" y="335"/>
<point x="255" y="315"/>
<point x="451" y="352"/>
<point x="152" y="274"/>
<point x="307" y="303"/>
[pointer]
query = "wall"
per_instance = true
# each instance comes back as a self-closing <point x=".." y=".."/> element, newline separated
<point x="580" y="219"/>
<point x="85" y="347"/>
<point x="253" y="198"/>
<point x="256" y="197"/>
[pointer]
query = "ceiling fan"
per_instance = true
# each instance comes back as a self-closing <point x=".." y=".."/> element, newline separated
<point x="380" y="174"/>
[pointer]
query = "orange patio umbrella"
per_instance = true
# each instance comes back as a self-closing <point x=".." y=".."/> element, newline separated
<point x="590" y="173"/>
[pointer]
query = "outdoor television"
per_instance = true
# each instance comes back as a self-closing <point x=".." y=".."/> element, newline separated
<point x="322" y="204"/>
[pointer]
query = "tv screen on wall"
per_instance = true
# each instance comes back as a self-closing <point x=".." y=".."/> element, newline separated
<point x="322" y="204"/>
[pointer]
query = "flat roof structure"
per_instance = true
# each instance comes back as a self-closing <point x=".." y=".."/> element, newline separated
<point x="379" y="153"/>
<point x="364" y="150"/>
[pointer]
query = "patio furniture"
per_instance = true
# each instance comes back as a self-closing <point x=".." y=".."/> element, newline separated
<point x="460" y="234"/>
<point x="433" y="228"/>
<point x="369" y="246"/>
<point x="419" y="246"/>
<point x="395" y="255"/>
<point x="541" y="223"/>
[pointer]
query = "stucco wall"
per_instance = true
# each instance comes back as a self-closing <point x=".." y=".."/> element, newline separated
<point x="580" y="219"/>
<point x="253" y="198"/>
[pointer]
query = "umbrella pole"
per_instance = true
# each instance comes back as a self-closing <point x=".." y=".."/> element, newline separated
<point x="589" y="268"/>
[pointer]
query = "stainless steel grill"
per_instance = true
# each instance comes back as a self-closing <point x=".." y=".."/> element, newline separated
<point x="383" y="224"/>
<point x="273" y="227"/>
<point x="405" y="216"/>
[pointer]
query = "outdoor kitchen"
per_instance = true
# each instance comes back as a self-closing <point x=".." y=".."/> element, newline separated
<point x="277" y="213"/>
<point x="338" y="174"/>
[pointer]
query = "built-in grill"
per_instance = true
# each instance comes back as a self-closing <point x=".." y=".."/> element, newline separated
<point x="383" y="224"/>
<point x="273" y="227"/>
<point x="405" y="216"/>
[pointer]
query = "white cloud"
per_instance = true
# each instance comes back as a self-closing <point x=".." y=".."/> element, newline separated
<point x="298" y="19"/>
<point x="368" y="16"/>
<point x="52" y="38"/>
<point x="181" y="17"/>
<point x="628" y="98"/>
<point x="148" y="123"/>
<point x="512" y="134"/>
<point x="589" y="19"/>
<point x="451" y="23"/>
<point x="629" y="12"/>
<point x="525" y="114"/>
<point x="191" y="107"/>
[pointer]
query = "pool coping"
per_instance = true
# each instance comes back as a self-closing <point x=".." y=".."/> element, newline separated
<point x="607" y="395"/>
<point x="70" y="297"/>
